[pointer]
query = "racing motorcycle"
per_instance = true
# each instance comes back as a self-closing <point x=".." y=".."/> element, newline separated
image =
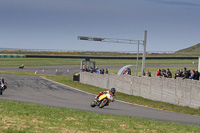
<point x="102" y="101"/>
<point x="2" y="88"/>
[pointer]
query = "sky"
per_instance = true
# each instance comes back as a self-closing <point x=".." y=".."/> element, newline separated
<point x="56" y="24"/>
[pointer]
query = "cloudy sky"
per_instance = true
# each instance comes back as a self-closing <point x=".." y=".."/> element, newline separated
<point x="55" y="24"/>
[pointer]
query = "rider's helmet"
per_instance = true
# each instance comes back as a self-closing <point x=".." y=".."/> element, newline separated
<point x="113" y="90"/>
<point x="2" y="79"/>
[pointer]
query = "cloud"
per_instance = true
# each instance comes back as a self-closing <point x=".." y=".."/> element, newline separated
<point x="177" y="2"/>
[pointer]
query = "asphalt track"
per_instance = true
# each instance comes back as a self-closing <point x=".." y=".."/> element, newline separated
<point x="35" y="89"/>
<point x="71" y="70"/>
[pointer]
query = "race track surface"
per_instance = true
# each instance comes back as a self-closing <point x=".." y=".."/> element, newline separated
<point x="34" y="89"/>
<point x="71" y="70"/>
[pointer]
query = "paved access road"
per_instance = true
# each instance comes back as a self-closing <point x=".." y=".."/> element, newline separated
<point x="34" y="89"/>
<point x="71" y="70"/>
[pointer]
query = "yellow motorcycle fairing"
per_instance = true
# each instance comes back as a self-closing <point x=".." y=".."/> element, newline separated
<point x="103" y="97"/>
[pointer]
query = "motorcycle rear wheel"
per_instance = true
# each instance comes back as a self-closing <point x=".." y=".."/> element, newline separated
<point x="103" y="103"/>
<point x="1" y="91"/>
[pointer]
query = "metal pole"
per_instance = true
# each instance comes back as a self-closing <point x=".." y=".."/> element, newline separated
<point x="137" y="58"/>
<point x="144" y="51"/>
<point x="199" y="65"/>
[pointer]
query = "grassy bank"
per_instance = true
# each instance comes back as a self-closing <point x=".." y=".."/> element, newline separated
<point x="26" y="118"/>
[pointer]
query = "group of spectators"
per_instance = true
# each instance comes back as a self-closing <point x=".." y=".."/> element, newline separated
<point x="185" y="74"/>
<point x="96" y="70"/>
<point x="164" y="73"/>
<point x="127" y="71"/>
<point x="101" y="71"/>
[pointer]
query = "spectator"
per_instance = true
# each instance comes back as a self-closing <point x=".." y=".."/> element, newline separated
<point x="158" y="72"/>
<point x="102" y="71"/>
<point x="97" y="70"/>
<point x="168" y="73"/>
<point x="189" y="73"/>
<point x="196" y="75"/>
<point x="192" y="74"/>
<point x="129" y="71"/>
<point x="185" y="70"/>
<point x="186" y="74"/>
<point x="91" y="70"/>
<point x="164" y="73"/>
<point x="181" y="73"/>
<point x="125" y="72"/>
<point x="148" y="74"/>
<point x="106" y="71"/>
<point x="83" y="68"/>
<point x="177" y="74"/>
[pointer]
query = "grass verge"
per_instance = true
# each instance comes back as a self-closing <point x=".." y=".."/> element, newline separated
<point x="26" y="118"/>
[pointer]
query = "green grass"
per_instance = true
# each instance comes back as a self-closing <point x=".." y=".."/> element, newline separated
<point x="193" y="49"/>
<point x="16" y="62"/>
<point x="28" y="118"/>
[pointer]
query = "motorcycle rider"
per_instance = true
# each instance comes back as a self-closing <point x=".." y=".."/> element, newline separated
<point x="3" y="84"/>
<point x="111" y="92"/>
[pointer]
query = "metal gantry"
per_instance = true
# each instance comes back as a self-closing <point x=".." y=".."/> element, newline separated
<point x="124" y="41"/>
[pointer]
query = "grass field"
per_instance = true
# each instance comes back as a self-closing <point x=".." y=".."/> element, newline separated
<point x="15" y="62"/>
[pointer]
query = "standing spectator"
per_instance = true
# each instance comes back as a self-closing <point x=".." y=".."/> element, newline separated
<point x="192" y="74"/>
<point x="186" y="73"/>
<point x="83" y="68"/>
<point x="148" y="74"/>
<point x="158" y="72"/>
<point x="181" y="73"/>
<point x="97" y="70"/>
<point x="169" y="74"/>
<point x="129" y="71"/>
<point x="185" y="70"/>
<point x="164" y="73"/>
<point x="196" y="75"/>
<point x="177" y="74"/>
<point x="189" y="73"/>
<point x="106" y="71"/>
<point x="102" y="71"/>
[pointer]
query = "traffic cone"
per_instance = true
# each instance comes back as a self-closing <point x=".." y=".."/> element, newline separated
<point x="43" y="70"/>
<point x="67" y="70"/>
<point x="56" y="70"/>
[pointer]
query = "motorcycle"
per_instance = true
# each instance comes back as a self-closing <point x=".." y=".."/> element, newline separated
<point x="102" y="101"/>
<point x="2" y="88"/>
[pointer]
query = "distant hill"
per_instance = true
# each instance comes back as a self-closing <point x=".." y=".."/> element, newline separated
<point x="192" y="49"/>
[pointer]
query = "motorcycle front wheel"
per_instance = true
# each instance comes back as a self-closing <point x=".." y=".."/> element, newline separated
<point x="93" y="104"/>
